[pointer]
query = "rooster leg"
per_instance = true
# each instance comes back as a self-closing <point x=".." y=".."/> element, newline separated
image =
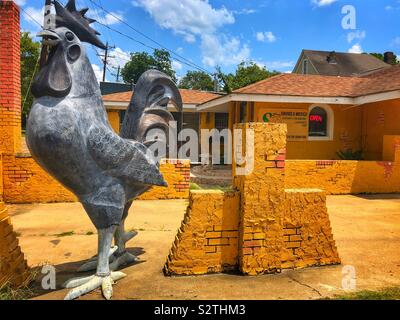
<point x="92" y="263"/>
<point x="103" y="277"/>
<point x="123" y="257"/>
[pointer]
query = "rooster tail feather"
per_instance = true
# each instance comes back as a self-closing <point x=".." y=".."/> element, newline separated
<point x="148" y="108"/>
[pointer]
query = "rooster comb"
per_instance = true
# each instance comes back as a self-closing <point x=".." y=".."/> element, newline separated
<point x="75" y="20"/>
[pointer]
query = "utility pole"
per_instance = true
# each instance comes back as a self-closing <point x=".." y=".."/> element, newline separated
<point x="118" y="72"/>
<point x="48" y="23"/>
<point x="105" y="58"/>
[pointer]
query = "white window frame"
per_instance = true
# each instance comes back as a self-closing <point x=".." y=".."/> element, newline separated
<point x="305" y="66"/>
<point x="330" y="122"/>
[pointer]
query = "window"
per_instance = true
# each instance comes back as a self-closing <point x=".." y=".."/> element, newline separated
<point x="221" y="121"/>
<point x="243" y="112"/>
<point x="318" y="122"/>
<point x="305" y="67"/>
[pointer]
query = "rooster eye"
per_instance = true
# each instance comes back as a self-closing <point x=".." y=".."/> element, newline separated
<point x="74" y="52"/>
<point x="69" y="36"/>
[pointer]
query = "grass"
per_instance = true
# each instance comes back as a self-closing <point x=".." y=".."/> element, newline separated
<point x="195" y="186"/>
<point x="65" y="234"/>
<point x="384" y="294"/>
<point x="24" y="292"/>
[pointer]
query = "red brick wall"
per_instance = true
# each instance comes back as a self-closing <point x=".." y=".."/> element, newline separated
<point x="10" y="83"/>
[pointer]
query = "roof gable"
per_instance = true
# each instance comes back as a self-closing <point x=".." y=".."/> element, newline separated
<point x="345" y="65"/>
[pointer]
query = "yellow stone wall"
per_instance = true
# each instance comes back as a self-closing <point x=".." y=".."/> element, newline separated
<point x="344" y="177"/>
<point x="13" y="266"/>
<point x="177" y="175"/>
<point x="258" y="228"/>
<point x="26" y="182"/>
<point x="261" y="236"/>
<point x="207" y="241"/>
<point x="306" y="230"/>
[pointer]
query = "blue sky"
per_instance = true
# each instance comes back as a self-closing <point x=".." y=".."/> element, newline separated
<point x="225" y="32"/>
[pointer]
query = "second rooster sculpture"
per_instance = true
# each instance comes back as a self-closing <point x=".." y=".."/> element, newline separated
<point x="69" y="135"/>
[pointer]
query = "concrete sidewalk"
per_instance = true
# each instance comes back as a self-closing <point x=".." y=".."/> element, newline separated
<point x="366" y="230"/>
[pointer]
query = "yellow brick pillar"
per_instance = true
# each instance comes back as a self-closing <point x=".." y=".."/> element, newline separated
<point x="262" y="196"/>
<point x="13" y="266"/>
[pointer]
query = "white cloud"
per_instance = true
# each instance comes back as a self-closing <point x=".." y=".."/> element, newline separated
<point x="179" y="50"/>
<point x="194" y="19"/>
<point x="20" y="2"/>
<point x="111" y="18"/>
<point x="356" y="35"/>
<point x="98" y="72"/>
<point x="267" y="36"/>
<point x="119" y="58"/>
<point x="396" y="42"/>
<point x="323" y="3"/>
<point x="224" y="51"/>
<point x="276" y="65"/>
<point x="176" y="65"/>
<point x="187" y="16"/>
<point x="245" y="11"/>
<point x="356" y="49"/>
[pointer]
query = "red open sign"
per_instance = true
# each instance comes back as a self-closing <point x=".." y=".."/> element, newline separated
<point x="315" y="118"/>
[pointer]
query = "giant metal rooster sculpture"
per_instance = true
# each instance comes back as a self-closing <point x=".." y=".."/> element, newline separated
<point x="70" y="137"/>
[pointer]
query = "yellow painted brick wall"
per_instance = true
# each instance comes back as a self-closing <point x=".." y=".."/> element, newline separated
<point x="26" y="182"/>
<point x="307" y="232"/>
<point x="177" y="174"/>
<point x="207" y="241"/>
<point x="13" y="266"/>
<point x="261" y="237"/>
<point x="258" y="228"/>
<point x="344" y="177"/>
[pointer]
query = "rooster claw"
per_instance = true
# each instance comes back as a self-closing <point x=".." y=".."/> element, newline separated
<point x="87" y="284"/>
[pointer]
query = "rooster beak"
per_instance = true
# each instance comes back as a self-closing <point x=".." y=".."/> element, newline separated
<point x="50" y="37"/>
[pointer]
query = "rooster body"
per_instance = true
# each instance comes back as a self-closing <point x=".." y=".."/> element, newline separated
<point x="69" y="135"/>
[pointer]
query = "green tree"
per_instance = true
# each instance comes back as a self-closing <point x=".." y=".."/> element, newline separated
<point x="246" y="73"/>
<point x="30" y="51"/>
<point x="197" y="80"/>
<point x="143" y="61"/>
<point x="381" y="56"/>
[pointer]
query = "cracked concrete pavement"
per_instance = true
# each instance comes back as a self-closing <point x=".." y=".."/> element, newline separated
<point x="366" y="230"/>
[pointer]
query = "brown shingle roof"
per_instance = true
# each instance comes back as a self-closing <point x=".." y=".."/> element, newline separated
<point x="188" y="96"/>
<point x="385" y="80"/>
<point x="347" y="64"/>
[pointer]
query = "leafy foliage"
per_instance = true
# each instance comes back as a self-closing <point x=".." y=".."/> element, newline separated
<point x="30" y="51"/>
<point x="197" y="80"/>
<point x="246" y="73"/>
<point x="143" y="61"/>
<point x="381" y="56"/>
<point x="350" y="155"/>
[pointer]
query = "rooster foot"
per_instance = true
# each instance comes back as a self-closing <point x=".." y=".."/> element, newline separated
<point x="129" y="235"/>
<point x="123" y="259"/>
<point x="92" y="263"/>
<point x="87" y="284"/>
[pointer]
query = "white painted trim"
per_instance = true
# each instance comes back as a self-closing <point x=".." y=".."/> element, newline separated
<point x="207" y="107"/>
<point x="114" y="105"/>
<point x="331" y="122"/>
<point x="377" y="97"/>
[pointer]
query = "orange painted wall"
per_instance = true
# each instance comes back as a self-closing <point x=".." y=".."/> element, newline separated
<point x="113" y="118"/>
<point x="379" y="119"/>
<point x="346" y="133"/>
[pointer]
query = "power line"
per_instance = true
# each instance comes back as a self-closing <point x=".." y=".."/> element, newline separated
<point x="188" y="62"/>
